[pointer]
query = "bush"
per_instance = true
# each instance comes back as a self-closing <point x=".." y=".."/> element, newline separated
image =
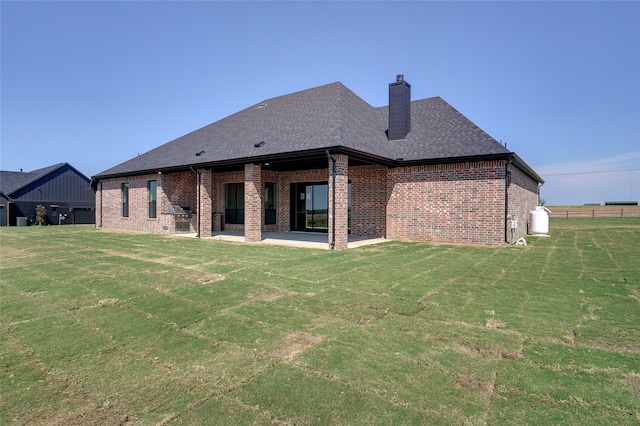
<point x="41" y="215"/>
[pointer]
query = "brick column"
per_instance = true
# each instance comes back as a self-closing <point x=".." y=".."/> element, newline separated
<point x="341" y="201"/>
<point x="98" y="210"/>
<point x="205" y="209"/>
<point x="253" y="204"/>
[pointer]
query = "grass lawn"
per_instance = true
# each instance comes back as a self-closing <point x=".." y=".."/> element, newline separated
<point x="100" y="327"/>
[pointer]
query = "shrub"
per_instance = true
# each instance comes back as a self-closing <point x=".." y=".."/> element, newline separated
<point x="41" y="215"/>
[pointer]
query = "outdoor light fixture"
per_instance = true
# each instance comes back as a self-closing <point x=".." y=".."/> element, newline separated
<point x="199" y="153"/>
<point x="258" y="144"/>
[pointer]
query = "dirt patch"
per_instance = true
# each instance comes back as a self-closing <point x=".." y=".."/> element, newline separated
<point x="203" y="278"/>
<point x="264" y="297"/>
<point x="325" y="320"/>
<point x="632" y="378"/>
<point x="108" y="302"/>
<point x="491" y="323"/>
<point x="471" y="383"/>
<point x="161" y="289"/>
<point x="510" y="354"/>
<point x="295" y="344"/>
<point x="475" y="352"/>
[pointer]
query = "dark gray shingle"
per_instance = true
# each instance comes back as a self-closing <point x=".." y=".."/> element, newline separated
<point x="322" y="117"/>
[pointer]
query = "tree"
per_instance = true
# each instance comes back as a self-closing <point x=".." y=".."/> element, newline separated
<point x="41" y="214"/>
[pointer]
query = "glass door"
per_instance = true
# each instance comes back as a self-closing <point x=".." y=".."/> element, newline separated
<point x="310" y="207"/>
<point x="317" y="208"/>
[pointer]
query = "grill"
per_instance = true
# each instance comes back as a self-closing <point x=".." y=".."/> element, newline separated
<point x="180" y="211"/>
<point x="182" y="216"/>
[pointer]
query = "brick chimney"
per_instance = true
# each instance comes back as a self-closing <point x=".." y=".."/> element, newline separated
<point x="399" y="109"/>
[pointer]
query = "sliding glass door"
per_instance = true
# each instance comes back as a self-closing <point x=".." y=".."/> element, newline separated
<point x="310" y="206"/>
<point x="310" y="203"/>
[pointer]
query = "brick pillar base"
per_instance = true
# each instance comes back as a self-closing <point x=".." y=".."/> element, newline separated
<point x="253" y="204"/>
<point x="341" y="202"/>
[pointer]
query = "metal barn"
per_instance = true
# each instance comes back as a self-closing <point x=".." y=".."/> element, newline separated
<point x="64" y="192"/>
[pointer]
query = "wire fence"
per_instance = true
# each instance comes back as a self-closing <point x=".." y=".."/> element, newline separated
<point x="567" y="213"/>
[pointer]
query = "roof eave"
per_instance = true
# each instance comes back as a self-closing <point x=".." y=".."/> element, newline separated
<point x="506" y="156"/>
<point x="522" y="165"/>
<point x="235" y="162"/>
<point x="449" y="160"/>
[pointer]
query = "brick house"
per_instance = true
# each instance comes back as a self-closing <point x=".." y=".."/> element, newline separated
<point x="324" y="160"/>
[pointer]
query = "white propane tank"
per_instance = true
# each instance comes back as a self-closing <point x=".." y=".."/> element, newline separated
<point x="540" y="220"/>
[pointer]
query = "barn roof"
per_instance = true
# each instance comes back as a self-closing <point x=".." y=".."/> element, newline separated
<point x="11" y="182"/>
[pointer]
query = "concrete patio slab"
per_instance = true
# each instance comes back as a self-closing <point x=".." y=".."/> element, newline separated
<point x="296" y="239"/>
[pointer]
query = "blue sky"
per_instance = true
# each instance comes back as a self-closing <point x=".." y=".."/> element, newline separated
<point x="95" y="83"/>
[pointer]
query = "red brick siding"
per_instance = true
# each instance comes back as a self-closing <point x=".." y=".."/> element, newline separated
<point x="173" y="188"/>
<point x="253" y="205"/>
<point x="205" y="209"/>
<point x="523" y="197"/>
<point x="368" y="201"/>
<point x="452" y="203"/>
<point x="460" y="203"/>
<point x="341" y="238"/>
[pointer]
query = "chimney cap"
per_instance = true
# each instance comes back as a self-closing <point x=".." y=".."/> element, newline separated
<point x="400" y="78"/>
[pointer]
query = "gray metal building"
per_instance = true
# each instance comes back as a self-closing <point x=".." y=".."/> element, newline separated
<point x="65" y="193"/>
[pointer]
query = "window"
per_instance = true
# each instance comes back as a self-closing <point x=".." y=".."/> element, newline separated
<point x="125" y="199"/>
<point x="234" y="203"/>
<point x="153" y="189"/>
<point x="269" y="203"/>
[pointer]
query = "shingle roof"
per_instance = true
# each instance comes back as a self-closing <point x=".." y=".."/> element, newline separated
<point x="10" y="182"/>
<point x="329" y="116"/>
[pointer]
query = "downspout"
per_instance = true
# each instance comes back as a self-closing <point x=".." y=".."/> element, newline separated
<point x="332" y="244"/>
<point x="506" y="200"/>
<point x="199" y="211"/>
<point x="539" y="188"/>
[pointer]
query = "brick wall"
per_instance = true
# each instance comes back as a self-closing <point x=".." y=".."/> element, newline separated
<point x="253" y="204"/>
<point x="451" y="203"/>
<point x="368" y="201"/>
<point x="341" y="181"/>
<point x="206" y="202"/>
<point x="173" y="188"/>
<point x="523" y="197"/>
<point x="460" y="203"/>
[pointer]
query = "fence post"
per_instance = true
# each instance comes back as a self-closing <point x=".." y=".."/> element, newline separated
<point x="621" y="212"/>
<point x="593" y="214"/>
<point x="567" y="214"/>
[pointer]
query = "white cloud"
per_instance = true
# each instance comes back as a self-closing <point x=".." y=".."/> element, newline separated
<point x="615" y="178"/>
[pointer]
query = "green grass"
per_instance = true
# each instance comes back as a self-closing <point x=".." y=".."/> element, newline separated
<point x="100" y="327"/>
